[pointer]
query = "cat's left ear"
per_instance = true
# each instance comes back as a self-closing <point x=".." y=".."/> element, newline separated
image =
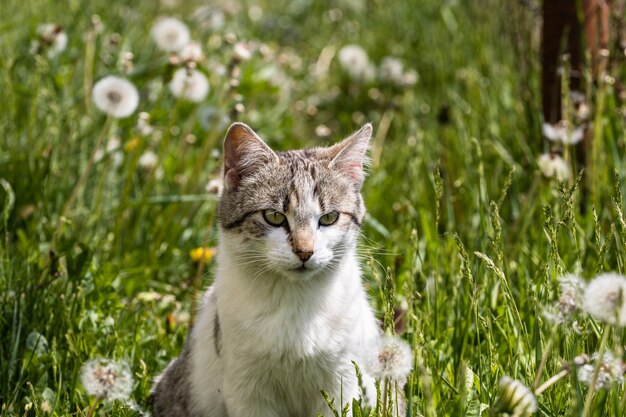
<point x="349" y="155"/>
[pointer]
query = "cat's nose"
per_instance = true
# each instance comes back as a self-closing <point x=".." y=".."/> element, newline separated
<point x="303" y="255"/>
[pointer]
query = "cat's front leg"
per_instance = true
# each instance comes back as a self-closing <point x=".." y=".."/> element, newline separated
<point x="250" y="407"/>
<point x="244" y="397"/>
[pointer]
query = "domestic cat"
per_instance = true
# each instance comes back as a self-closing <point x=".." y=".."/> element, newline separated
<point x="287" y="313"/>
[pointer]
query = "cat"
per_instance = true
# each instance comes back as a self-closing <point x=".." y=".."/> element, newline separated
<point x="287" y="313"/>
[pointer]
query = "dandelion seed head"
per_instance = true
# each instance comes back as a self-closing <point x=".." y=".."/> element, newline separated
<point x="561" y="132"/>
<point x="393" y="361"/>
<point x="604" y="299"/>
<point x="610" y="372"/>
<point x="552" y="165"/>
<point x="391" y="70"/>
<point x="515" y="398"/>
<point x="148" y="160"/>
<point x="107" y="379"/>
<point x="53" y="37"/>
<point x="115" y="96"/>
<point x="572" y="290"/>
<point x="354" y="61"/>
<point x="189" y="84"/>
<point x="242" y="51"/>
<point x="192" y="52"/>
<point x="170" y="34"/>
<point x="215" y="186"/>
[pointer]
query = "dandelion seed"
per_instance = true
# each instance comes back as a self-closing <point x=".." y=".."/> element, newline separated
<point x="515" y="398"/>
<point x="570" y="300"/>
<point x="170" y="34"/>
<point x="572" y="290"/>
<point x="143" y="124"/>
<point x="323" y="131"/>
<point x="46" y="407"/>
<point x="394" y="360"/>
<point x="610" y="372"/>
<point x="209" y="18"/>
<point x="148" y="160"/>
<point x="126" y="62"/>
<point x="106" y="379"/>
<point x="53" y="38"/>
<point x="354" y="61"/>
<point x="202" y="255"/>
<point x="391" y="70"/>
<point x="410" y="78"/>
<point x="115" y="96"/>
<point x="189" y="84"/>
<point x="215" y="186"/>
<point x="604" y="299"/>
<point x="561" y="132"/>
<point x="192" y="52"/>
<point x="552" y="165"/>
<point x="242" y="51"/>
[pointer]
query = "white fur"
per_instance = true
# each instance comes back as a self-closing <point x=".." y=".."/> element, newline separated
<point x="284" y="334"/>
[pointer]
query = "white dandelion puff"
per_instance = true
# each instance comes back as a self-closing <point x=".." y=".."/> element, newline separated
<point x="393" y="361"/>
<point x="604" y="299"/>
<point x="570" y="301"/>
<point x="53" y="38"/>
<point x="391" y="70"/>
<point x="515" y="398"/>
<point x="572" y="291"/>
<point x="560" y="132"/>
<point x="115" y="96"/>
<point x="107" y="379"/>
<point x="242" y="51"/>
<point x="610" y="372"/>
<point x="410" y="78"/>
<point x="354" y="61"/>
<point x="189" y="84"/>
<point x="148" y="160"/>
<point x="192" y="52"/>
<point x="552" y="165"/>
<point x="170" y="34"/>
<point x="215" y="186"/>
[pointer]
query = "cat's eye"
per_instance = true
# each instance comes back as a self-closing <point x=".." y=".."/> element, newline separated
<point x="329" y="218"/>
<point x="273" y="217"/>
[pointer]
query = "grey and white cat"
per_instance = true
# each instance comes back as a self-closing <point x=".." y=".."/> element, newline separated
<point x="287" y="313"/>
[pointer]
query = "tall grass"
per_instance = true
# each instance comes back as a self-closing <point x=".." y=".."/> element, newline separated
<point x="460" y="221"/>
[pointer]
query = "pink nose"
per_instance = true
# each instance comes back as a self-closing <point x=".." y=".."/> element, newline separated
<point x="304" y="256"/>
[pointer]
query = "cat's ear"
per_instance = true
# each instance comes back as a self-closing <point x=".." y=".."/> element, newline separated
<point x="244" y="150"/>
<point x="349" y="155"/>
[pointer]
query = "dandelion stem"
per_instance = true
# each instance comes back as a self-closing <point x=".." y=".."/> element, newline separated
<point x="544" y="357"/>
<point x="551" y="381"/>
<point x="385" y="394"/>
<point x="596" y="372"/>
<point x="92" y="409"/>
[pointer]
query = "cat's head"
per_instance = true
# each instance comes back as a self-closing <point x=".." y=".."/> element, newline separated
<point x="294" y="213"/>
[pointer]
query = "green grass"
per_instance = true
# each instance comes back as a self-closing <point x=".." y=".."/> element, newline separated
<point x="462" y="226"/>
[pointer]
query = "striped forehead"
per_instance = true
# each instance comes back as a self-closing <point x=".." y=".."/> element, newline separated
<point x="303" y="200"/>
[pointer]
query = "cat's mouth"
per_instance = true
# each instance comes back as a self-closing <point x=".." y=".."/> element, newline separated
<point x="302" y="268"/>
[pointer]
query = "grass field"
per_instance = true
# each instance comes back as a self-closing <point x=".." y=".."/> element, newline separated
<point x="463" y="229"/>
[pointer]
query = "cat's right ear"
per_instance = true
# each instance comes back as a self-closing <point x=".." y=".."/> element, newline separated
<point x="243" y="151"/>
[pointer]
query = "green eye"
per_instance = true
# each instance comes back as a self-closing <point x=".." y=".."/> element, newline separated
<point x="273" y="217"/>
<point x="329" y="218"/>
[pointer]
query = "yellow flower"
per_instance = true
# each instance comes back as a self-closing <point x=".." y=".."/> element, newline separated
<point x="201" y="254"/>
<point x="131" y="145"/>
